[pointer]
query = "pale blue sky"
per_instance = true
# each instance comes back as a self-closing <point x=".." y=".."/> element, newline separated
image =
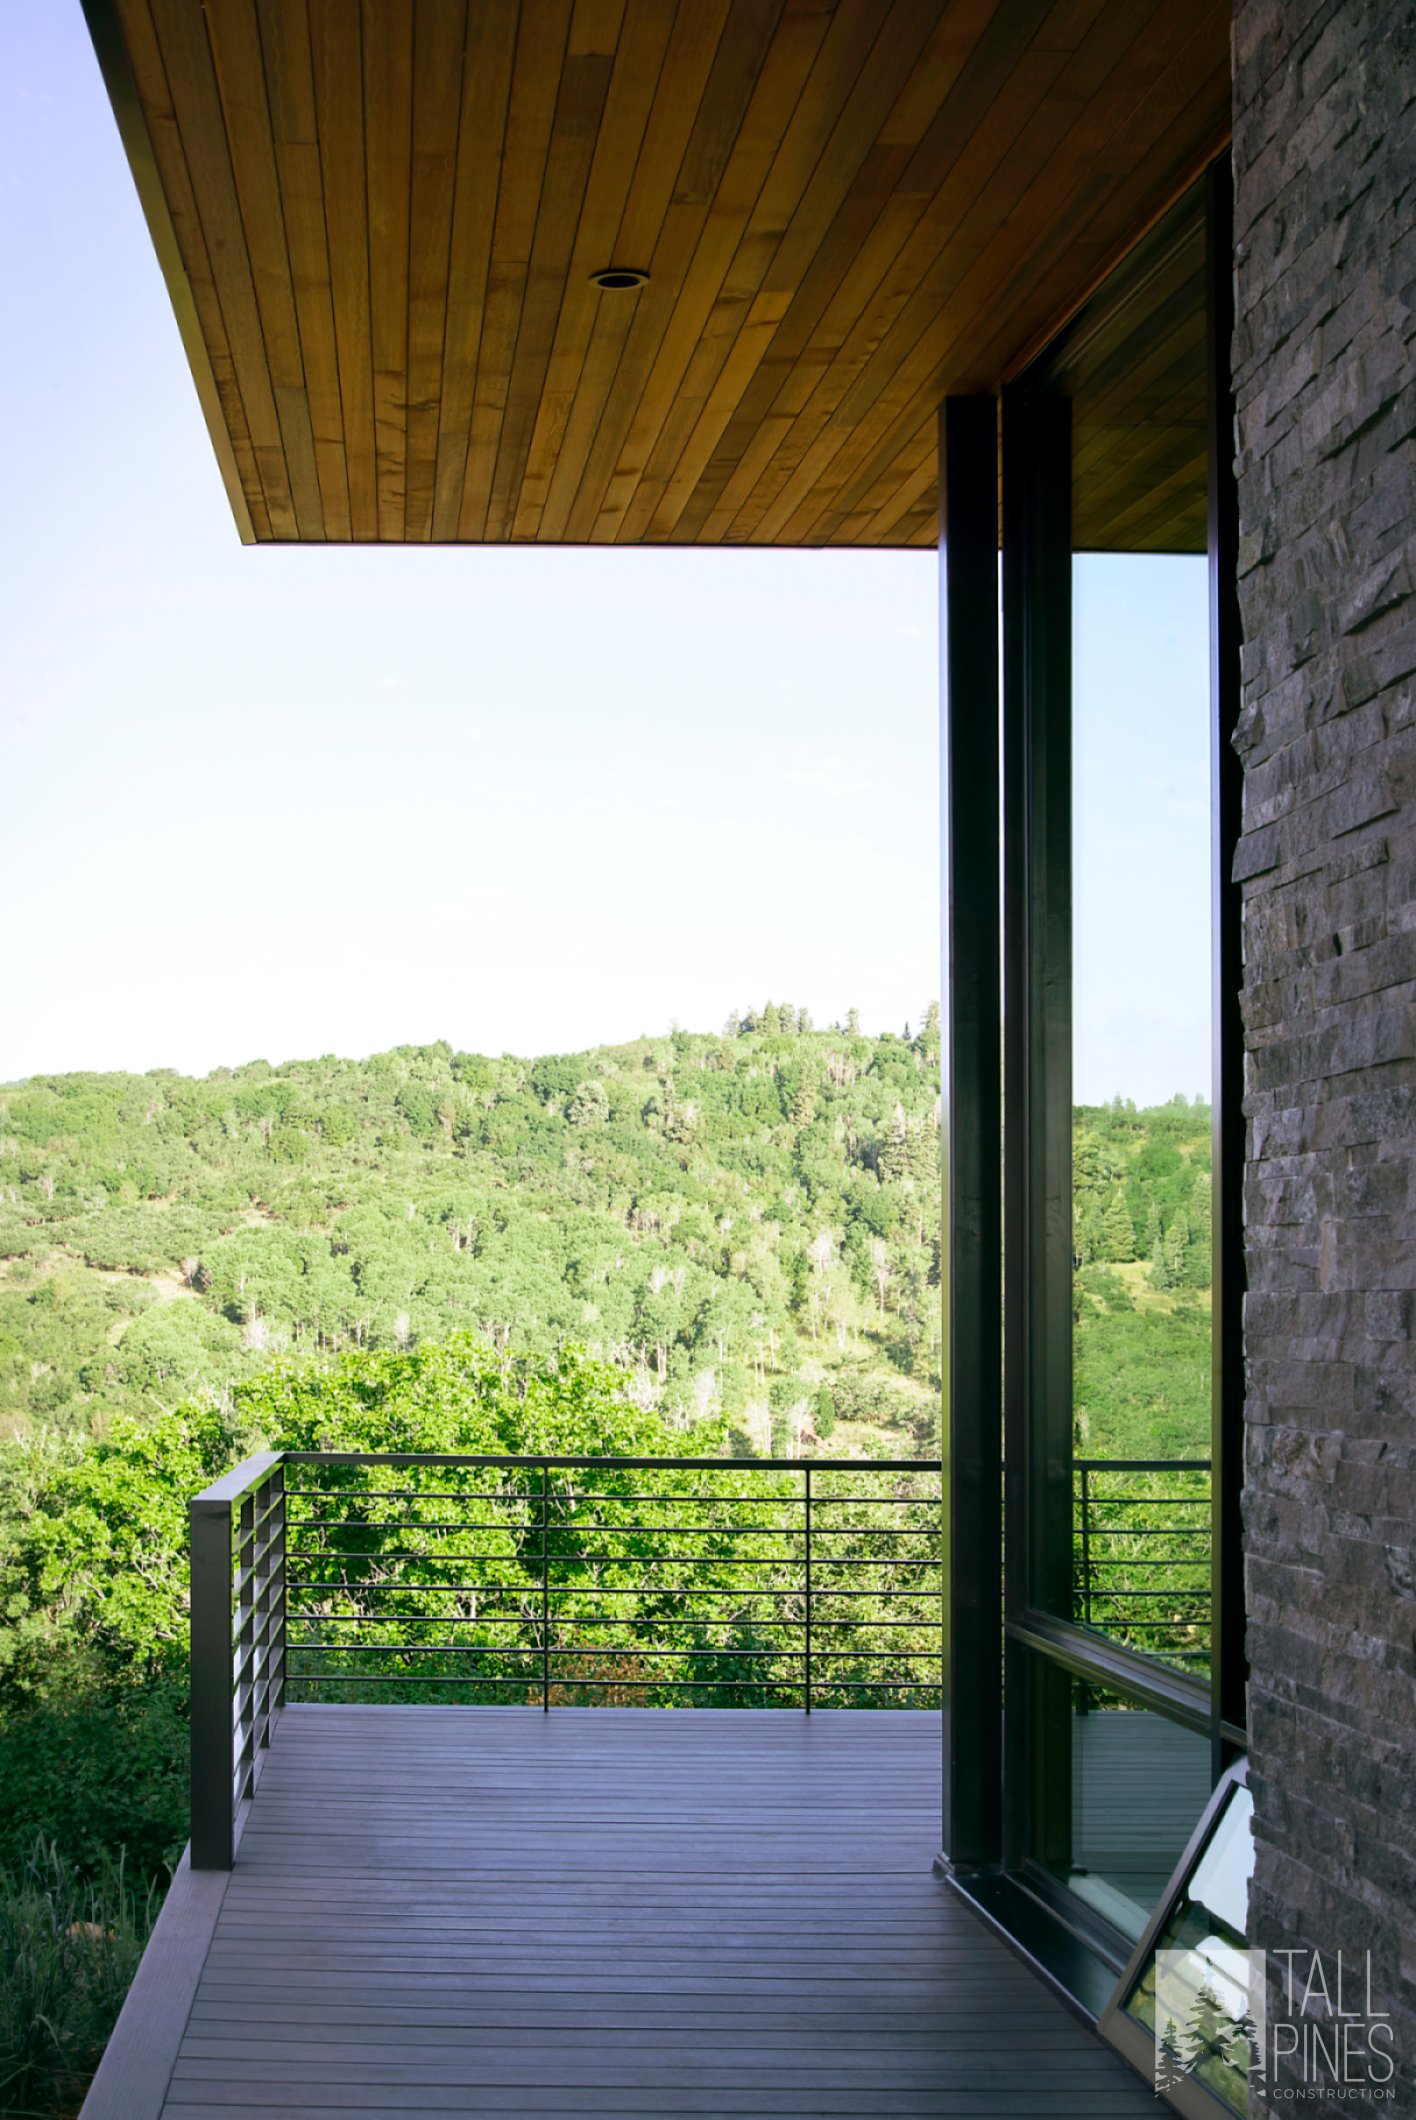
<point x="273" y="802"/>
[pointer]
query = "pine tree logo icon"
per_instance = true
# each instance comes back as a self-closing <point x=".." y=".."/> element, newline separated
<point x="1205" y="2017"/>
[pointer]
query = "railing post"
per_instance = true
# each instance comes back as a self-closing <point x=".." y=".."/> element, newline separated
<point x="1086" y="1548"/>
<point x="211" y="1735"/>
<point x="545" y="1589"/>
<point x="808" y="1589"/>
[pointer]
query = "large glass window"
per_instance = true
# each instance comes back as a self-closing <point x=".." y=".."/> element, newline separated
<point x="1117" y="1790"/>
<point x="1125" y="1395"/>
<point x="1109" y="1211"/>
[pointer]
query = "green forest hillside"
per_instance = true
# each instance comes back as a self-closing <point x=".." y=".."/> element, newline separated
<point x="747" y="1225"/>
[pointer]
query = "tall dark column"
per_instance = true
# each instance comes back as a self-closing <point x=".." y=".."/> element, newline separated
<point x="1037" y="928"/>
<point x="973" y="1435"/>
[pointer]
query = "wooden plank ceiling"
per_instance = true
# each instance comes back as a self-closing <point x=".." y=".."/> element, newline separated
<point x="379" y="222"/>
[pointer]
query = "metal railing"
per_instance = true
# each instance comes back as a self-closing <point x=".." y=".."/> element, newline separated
<point x="237" y="1530"/>
<point x="549" y="1581"/>
<point x="1141" y="1553"/>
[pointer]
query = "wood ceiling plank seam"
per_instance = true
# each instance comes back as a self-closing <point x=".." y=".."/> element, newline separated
<point x="745" y="467"/>
<point x="1157" y="514"/>
<point x="290" y="87"/>
<point x="780" y="83"/>
<point x="580" y="103"/>
<point x="1182" y="178"/>
<point x="1026" y="169"/>
<point x="626" y="338"/>
<point x="871" y="228"/>
<point x="748" y="310"/>
<point x="675" y="230"/>
<point x="439" y="29"/>
<point x="578" y="344"/>
<point x="1162" y="357"/>
<point x="919" y="452"/>
<point x="1066" y="24"/>
<point x="1119" y="456"/>
<point x="1086" y="67"/>
<point x="841" y="416"/>
<point x="699" y="235"/>
<point x="1165" y="82"/>
<point x="488" y="61"/>
<point x="733" y="470"/>
<point x="913" y="473"/>
<point x="136" y="80"/>
<point x="535" y="83"/>
<point x="1199" y="133"/>
<point x="727" y="97"/>
<point x="388" y="148"/>
<point x="863" y="248"/>
<point x="239" y="68"/>
<point x="596" y="27"/>
<point x="1173" y="475"/>
<point x="337" y="58"/>
<point x="843" y="139"/>
<point x="940" y="174"/>
<point x="181" y="35"/>
<point x="1165" y="451"/>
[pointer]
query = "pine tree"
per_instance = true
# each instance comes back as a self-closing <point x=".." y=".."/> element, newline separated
<point x="804" y="1101"/>
<point x="771" y="1020"/>
<point x="1208" y="2029"/>
<point x="1170" y="2071"/>
<point x="1117" y="1235"/>
<point x="853" y="1023"/>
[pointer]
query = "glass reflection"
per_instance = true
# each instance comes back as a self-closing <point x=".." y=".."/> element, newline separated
<point x="1135" y="1785"/>
<point x="1141" y="1153"/>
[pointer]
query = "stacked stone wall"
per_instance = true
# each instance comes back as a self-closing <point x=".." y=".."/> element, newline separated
<point x="1325" y="185"/>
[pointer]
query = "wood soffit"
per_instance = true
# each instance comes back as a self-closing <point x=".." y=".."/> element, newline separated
<point x="378" y="224"/>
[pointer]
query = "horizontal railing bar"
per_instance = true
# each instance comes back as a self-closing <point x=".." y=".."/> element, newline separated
<point x="1097" y="1502"/>
<point x="749" y="1466"/>
<point x="1126" y="1560"/>
<point x="646" y="1685"/>
<point x="462" y="1619"/>
<point x="401" y="1553"/>
<point x="1141" y="1465"/>
<point x="1130" y="1531"/>
<point x="416" y="1494"/>
<point x="405" y="1589"/>
<point x="634" y="1649"/>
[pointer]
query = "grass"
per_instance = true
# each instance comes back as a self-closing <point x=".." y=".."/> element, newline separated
<point x="69" y="1947"/>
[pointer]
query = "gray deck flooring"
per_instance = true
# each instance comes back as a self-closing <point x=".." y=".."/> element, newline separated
<point x="616" y="1912"/>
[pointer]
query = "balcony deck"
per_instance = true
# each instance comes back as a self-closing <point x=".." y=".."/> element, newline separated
<point x="596" y="1911"/>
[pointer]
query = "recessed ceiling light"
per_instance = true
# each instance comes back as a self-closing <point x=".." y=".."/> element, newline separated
<point x="615" y="277"/>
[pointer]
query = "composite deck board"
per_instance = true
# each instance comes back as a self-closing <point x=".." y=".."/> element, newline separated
<point x="616" y="1911"/>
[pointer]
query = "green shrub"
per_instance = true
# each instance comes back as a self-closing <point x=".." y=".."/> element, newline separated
<point x="102" y="1773"/>
<point x="69" y="1946"/>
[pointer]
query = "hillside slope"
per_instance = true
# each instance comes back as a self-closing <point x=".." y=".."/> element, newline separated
<point x="746" y="1224"/>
